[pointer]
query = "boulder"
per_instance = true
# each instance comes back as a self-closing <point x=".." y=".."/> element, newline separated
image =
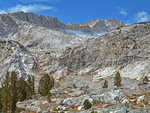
<point x="59" y="101"/>
<point x="122" y="110"/>
<point x="39" y="110"/>
<point x="125" y="101"/>
<point x="80" y="108"/>
<point x="62" y="108"/>
<point x="77" y="100"/>
<point x="140" y="98"/>
<point x="113" y="97"/>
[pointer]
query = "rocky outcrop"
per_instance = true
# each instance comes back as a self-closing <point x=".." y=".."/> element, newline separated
<point x="48" y="22"/>
<point x="32" y="105"/>
<point x="8" y="26"/>
<point x="122" y="50"/>
<point x="14" y="57"/>
<point x="97" y="26"/>
<point x="44" y="38"/>
<point x="113" y="97"/>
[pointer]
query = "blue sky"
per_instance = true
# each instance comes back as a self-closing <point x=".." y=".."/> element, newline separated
<point x="79" y="11"/>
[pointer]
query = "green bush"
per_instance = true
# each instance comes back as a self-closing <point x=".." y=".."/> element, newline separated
<point x="87" y="104"/>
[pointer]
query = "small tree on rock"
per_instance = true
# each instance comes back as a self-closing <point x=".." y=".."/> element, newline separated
<point x="117" y="80"/>
<point x="105" y="84"/>
<point x="145" y="79"/>
<point x="87" y="104"/>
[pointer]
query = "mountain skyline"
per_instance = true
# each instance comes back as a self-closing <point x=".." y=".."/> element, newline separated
<point x="80" y="11"/>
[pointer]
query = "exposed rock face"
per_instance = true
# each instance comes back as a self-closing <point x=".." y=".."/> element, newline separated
<point x="122" y="50"/>
<point x="33" y="45"/>
<point x="15" y="57"/>
<point x="113" y="97"/>
<point x="48" y="22"/>
<point x="44" y="38"/>
<point x="8" y="26"/>
<point x="97" y="26"/>
<point x="57" y="51"/>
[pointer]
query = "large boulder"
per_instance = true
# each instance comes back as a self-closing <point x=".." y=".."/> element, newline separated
<point x="113" y="97"/>
<point x="31" y="105"/>
<point x="78" y="100"/>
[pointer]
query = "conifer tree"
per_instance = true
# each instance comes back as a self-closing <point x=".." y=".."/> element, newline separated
<point x="105" y="84"/>
<point x="0" y="100"/>
<point x="117" y="80"/>
<point x="49" y="97"/>
<point x="87" y="104"/>
<point x="22" y="89"/>
<point x="29" y="89"/>
<point x="32" y="86"/>
<point x="5" y="97"/>
<point x="46" y="83"/>
<point x="145" y="79"/>
<point x="13" y="92"/>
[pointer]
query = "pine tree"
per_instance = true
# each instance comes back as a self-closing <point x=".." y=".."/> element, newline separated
<point x="87" y="104"/>
<point x="13" y="92"/>
<point x="49" y="97"/>
<point x="117" y="80"/>
<point x="145" y="79"/>
<point x="0" y="99"/>
<point x="22" y="89"/>
<point x="5" y="94"/>
<point x="105" y="84"/>
<point x="29" y="90"/>
<point x="32" y="86"/>
<point x="46" y="83"/>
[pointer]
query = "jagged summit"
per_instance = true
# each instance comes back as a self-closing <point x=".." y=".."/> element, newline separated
<point x="39" y="20"/>
<point x="95" y="27"/>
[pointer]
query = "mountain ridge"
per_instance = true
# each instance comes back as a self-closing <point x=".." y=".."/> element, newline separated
<point x="55" y="24"/>
<point x="58" y="51"/>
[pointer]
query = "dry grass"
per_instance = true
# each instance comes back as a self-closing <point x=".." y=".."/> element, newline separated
<point x="100" y="104"/>
<point x="25" y="111"/>
<point x="141" y="103"/>
<point x="73" y="108"/>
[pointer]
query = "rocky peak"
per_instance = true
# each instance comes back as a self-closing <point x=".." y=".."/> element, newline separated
<point x="97" y="26"/>
<point x="91" y="23"/>
<point x="48" y="22"/>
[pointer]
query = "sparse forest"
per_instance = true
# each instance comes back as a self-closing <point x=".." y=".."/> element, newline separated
<point x="16" y="89"/>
